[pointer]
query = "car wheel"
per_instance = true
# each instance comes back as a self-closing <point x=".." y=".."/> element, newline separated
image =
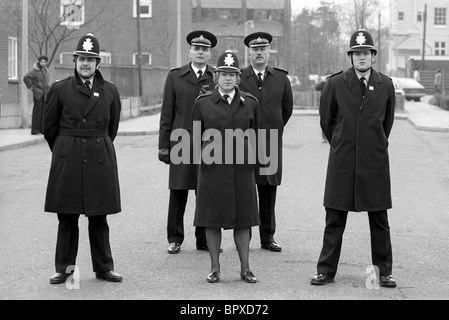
<point x="417" y="99"/>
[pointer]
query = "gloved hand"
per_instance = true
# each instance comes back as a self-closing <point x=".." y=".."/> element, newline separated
<point x="164" y="156"/>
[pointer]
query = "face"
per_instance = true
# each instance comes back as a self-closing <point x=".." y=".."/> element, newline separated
<point x="43" y="63"/>
<point x="259" y="56"/>
<point x="200" y="55"/>
<point x="362" y="60"/>
<point x="86" y="66"/>
<point x="227" y="81"/>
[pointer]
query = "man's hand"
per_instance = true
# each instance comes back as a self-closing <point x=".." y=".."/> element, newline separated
<point x="164" y="156"/>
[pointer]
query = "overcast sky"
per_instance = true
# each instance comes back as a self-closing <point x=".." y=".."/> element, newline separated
<point x="298" y="5"/>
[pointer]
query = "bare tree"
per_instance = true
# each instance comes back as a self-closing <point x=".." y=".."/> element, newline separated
<point x="47" y="33"/>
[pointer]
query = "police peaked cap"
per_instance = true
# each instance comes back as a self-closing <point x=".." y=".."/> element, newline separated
<point x="258" y="39"/>
<point x="361" y="40"/>
<point x="228" y="62"/>
<point x="88" y="46"/>
<point x="201" y="38"/>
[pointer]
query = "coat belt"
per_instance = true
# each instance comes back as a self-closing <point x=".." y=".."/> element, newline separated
<point x="84" y="132"/>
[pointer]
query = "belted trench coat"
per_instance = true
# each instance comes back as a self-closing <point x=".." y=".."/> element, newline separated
<point x="80" y="127"/>
<point x="357" y="128"/>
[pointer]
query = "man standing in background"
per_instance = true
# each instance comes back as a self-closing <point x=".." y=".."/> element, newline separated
<point x="182" y="86"/>
<point x="38" y="81"/>
<point x="273" y="90"/>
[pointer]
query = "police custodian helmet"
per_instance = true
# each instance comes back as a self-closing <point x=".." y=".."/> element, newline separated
<point x="361" y="40"/>
<point x="88" y="46"/>
<point x="228" y="62"/>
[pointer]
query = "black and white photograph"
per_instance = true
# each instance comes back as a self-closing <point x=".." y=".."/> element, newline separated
<point x="224" y="158"/>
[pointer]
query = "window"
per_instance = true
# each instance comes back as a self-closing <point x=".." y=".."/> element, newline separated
<point x="72" y="13"/>
<point x="146" y="59"/>
<point x="419" y="17"/>
<point x="440" y="16"/>
<point x="440" y="48"/>
<point x="274" y="45"/>
<point x="145" y="8"/>
<point x="400" y="16"/>
<point x="105" y="57"/>
<point x="13" y="56"/>
<point x="232" y="44"/>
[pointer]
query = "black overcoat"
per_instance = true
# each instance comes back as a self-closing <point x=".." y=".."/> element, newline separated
<point x="181" y="89"/>
<point x="358" y="173"/>
<point x="80" y="127"/>
<point x="226" y="194"/>
<point x="276" y="107"/>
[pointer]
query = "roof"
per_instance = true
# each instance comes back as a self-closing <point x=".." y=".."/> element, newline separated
<point x="237" y="4"/>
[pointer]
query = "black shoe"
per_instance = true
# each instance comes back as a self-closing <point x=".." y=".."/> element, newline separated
<point x="321" y="279"/>
<point x="387" y="281"/>
<point x="59" y="278"/>
<point x="273" y="246"/>
<point x="248" y="277"/>
<point x="205" y="247"/>
<point x="213" y="277"/>
<point x="110" y="276"/>
<point x="174" y="247"/>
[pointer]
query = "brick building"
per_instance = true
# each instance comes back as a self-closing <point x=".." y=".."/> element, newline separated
<point x="163" y="24"/>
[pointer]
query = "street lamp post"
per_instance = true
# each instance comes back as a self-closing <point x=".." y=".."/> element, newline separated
<point x="249" y="22"/>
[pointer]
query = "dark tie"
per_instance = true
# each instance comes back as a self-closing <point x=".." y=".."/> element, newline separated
<point x="259" y="80"/>
<point x="362" y="85"/>
<point x="87" y="84"/>
<point x="226" y="97"/>
<point x="200" y="74"/>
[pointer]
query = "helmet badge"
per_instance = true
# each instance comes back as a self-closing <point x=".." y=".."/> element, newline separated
<point x="88" y="45"/>
<point x="229" y="60"/>
<point x="360" y="38"/>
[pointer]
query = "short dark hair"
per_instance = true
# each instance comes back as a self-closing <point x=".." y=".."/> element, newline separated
<point x="42" y="58"/>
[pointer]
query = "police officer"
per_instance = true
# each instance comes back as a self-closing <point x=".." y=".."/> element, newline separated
<point x="182" y="87"/>
<point x="80" y="124"/>
<point x="272" y="89"/>
<point x="226" y="189"/>
<point x="356" y="115"/>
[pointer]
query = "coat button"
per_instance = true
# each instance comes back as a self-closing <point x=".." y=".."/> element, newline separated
<point x="100" y="161"/>
<point x="84" y="161"/>
<point x="98" y="120"/>
<point x="84" y="120"/>
<point x="98" y="140"/>
<point x="84" y="140"/>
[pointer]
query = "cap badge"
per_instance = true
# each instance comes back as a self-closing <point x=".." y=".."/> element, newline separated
<point x="360" y="38"/>
<point x="229" y="60"/>
<point x="88" y="45"/>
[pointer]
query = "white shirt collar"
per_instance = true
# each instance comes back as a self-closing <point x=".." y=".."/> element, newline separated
<point x="231" y="94"/>
<point x="195" y="69"/>
<point x="367" y="75"/>
<point x="263" y="72"/>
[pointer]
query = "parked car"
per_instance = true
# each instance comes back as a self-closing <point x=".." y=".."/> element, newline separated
<point x="413" y="90"/>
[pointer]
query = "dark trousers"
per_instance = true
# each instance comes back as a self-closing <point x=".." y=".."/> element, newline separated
<point x="175" y="222"/>
<point x="381" y="253"/>
<point x="37" y="117"/>
<point x="267" y="203"/>
<point x="68" y="238"/>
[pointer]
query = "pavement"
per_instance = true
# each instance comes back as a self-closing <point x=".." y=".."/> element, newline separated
<point x="422" y="115"/>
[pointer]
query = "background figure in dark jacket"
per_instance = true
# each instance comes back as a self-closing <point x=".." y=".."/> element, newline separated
<point x="38" y="81"/>
<point x="226" y="189"/>
<point x="182" y="87"/>
<point x="320" y="87"/>
<point x="81" y="121"/>
<point x="356" y="115"/>
<point x="273" y="90"/>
